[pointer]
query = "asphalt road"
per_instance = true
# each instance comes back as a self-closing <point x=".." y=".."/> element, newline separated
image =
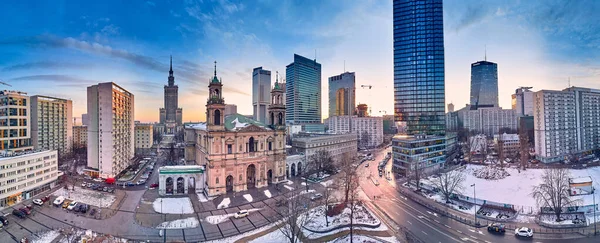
<point x="426" y="225"/>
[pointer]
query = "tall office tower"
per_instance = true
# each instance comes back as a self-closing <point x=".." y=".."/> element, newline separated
<point x="450" y="107"/>
<point x="84" y="120"/>
<point x="522" y="101"/>
<point x="303" y="94"/>
<point x="566" y="123"/>
<point x="52" y="124"/>
<point x="342" y="94"/>
<point x="111" y="129"/>
<point x="261" y="93"/>
<point x="171" y="115"/>
<point x="419" y="89"/>
<point x="24" y="173"/>
<point x="230" y="109"/>
<point x="484" y="84"/>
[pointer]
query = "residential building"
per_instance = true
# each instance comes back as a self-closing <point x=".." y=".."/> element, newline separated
<point x="26" y="174"/>
<point x="111" y="143"/>
<point x="15" y="125"/>
<point x="527" y="128"/>
<point x="261" y="92"/>
<point x="342" y="94"/>
<point x="144" y="138"/>
<point x="303" y="94"/>
<point x="484" y="84"/>
<point x="239" y="153"/>
<point x="452" y="121"/>
<point x="340" y="124"/>
<point x="510" y="144"/>
<point x="79" y="137"/>
<point x="566" y="123"/>
<point x="362" y="110"/>
<point x="450" y="107"/>
<point x="230" y="109"/>
<point x="488" y="121"/>
<point x="84" y="119"/>
<point x="522" y="102"/>
<point x="171" y="115"/>
<point x="52" y="124"/>
<point x="419" y="88"/>
<point x="338" y="145"/>
<point x="369" y="131"/>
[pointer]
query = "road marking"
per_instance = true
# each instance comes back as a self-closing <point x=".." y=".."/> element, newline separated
<point x="432" y="227"/>
<point x="436" y="221"/>
<point x="487" y="241"/>
<point x="473" y="237"/>
<point x="472" y="230"/>
<point x="479" y="231"/>
<point x="409" y="222"/>
<point x="424" y="232"/>
<point x="448" y="226"/>
<point x="460" y="232"/>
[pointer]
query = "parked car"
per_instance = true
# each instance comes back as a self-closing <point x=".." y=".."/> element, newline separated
<point x="496" y="228"/>
<point x="141" y="182"/>
<point x="4" y="220"/>
<point x="93" y="212"/>
<point x="19" y="214"/>
<point x="66" y="203"/>
<point x="241" y="214"/>
<point x="111" y="190"/>
<point x="99" y="188"/>
<point x="316" y="197"/>
<point x="84" y="208"/>
<point x="524" y="232"/>
<point x="83" y="185"/>
<point x="367" y="165"/>
<point x="105" y="189"/>
<point x="154" y="185"/>
<point x="72" y="205"/>
<point x="90" y="185"/>
<point x="46" y="198"/>
<point x="25" y="210"/>
<point x="59" y="201"/>
<point x="38" y="202"/>
<point x="29" y="206"/>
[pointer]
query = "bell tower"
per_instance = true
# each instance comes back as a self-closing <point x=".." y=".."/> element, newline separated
<point x="277" y="107"/>
<point x="215" y="105"/>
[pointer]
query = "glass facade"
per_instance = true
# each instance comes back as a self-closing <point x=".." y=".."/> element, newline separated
<point x="303" y="91"/>
<point x="484" y="84"/>
<point x="342" y="94"/>
<point x="419" y="90"/>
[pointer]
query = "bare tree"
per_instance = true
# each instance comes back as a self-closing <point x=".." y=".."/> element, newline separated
<point x="364" y="139"/>
<point x="295" y="216"/>
<point x="328" y="199"/>
<point x="450" y="182"/>
<point x="524" y="149"/>
<point x="320" y="162"/>
<point x="500" y="150"/>
<point x="348" y="174"/>
<point x="553" y="191"/>
<point x="417" y="172"/>
<point x="352" y="200"/>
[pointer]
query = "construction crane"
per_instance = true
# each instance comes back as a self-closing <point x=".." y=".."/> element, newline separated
<point x="1" y="82"/>
<point x="368" y="86"/>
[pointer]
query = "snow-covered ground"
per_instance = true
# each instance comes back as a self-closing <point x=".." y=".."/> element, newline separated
<point x="516" y="188"/>
<point x="361" y="216"/>
<point x="180" y="205"/>
<point x="327" y="183"/>
<point x="186" y="223"/>
<point x="217" y="219"/>
<point x="248" y="197"/>
<point x="268" y="193"/>
<point x="460" y="206"/>
<point x="288" y="187"/>
<point x="356" y="238"/>
<point x="202" y="197"/>
<point x="290" y="182"/>
<point x="46" y="237"/>
<point x="224" y="204"/>
<point x="94" y="198"/>
<point x="567" y="219"/>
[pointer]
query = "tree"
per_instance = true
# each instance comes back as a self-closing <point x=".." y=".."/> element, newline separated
<point x="553" y="191"/>
<point x="327" y="200"/>
<point x="449" y="183"/>
<point x="352" y="199"/>
<point x="524" y="149"/>
<point x="500" y="149"/>
<point x="320" y="162"/>
<point x="364" y="139"/>
<point x="295" y="216"/>
<point x="416" y="173"/>
<point x="348" y="175"/>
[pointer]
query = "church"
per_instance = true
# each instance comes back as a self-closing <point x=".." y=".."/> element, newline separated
<point x="238" y="153"/>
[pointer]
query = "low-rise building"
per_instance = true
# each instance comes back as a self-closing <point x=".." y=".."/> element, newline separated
<point x="338" y="145"/>
<point x="418" y="152"/>
<point x="510" y="144"/>
<point x="144" y="138"/>
<point x="488" y="120"/>
<point x="79" y="137"/>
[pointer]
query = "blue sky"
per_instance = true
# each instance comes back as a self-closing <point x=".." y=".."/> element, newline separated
<point x="60" y="47"/>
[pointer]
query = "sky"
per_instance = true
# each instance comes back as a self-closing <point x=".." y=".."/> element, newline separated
<point x="59" y="48"/>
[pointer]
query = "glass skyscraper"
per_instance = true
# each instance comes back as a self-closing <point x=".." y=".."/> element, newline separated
<point x="419" y="90"/>
<point x="303" y="88"/>
<point x="484" y="84"/>
<point x="342" y="94"/>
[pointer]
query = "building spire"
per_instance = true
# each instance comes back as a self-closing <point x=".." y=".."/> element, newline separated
<point x="171" y="77"/>
<point x="485" y="54"/>
<point x="215" y="68"/>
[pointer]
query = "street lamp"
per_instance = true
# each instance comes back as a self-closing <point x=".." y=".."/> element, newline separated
<point x="595" y="207"/>
<point x="474" y="205"/>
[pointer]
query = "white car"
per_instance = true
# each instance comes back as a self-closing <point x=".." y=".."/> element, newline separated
<point x="72" y="205"/>
<point x="524" y="232"/>
<point x="38" y="202"/>
<point x="83" y="185"/>
<point x="241" y="214"/>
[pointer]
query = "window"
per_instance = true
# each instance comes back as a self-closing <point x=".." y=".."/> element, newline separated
<point x="270" y="146"/>
<point x="229" y="149"/>
<point x="217" y="180"/>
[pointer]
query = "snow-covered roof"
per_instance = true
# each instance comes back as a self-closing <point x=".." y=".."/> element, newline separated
<point x="585" y="179"/>
<point x="235" y="122"/>
<point x="181" y="169"/>
<point x="197" y="126"/>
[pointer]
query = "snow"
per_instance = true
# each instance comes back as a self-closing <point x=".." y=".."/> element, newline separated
<point x="217" y="219"/>
<point x="361" y="216"/>
<point x="580" y="179"/>
<point x="303" y="183"/>
<point x="180" y="205"/>
<point x="355" y="238"/>
<point x="567" y="219"/>
<point x="197" y="126"/>
<point x="186" y="223"/>
<point x="236" y="238"/>
<point x="202" y="197"/>
<point x="490" y="173"/>
<point x="238" y="124"/>
<point x="248" y="197"/>
<point x="288" y="187"/>
<point x="224" y="204"/>
<point x="94" y="198"/>
<point x="457" y="205"/>
<point x="327" y="183"/>
<point x="80" y="169"/>
<point x="273" y="237"/>
<point x="290" y="182"/>
<point x="268" y="193"/>
<point x="46" y="237"/>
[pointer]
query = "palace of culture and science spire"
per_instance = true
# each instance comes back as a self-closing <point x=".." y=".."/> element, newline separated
<point x="170" y="115"/>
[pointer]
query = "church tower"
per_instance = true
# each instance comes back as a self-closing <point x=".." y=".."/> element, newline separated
<point x="215" y="105"/>
<point x="277" y="107"/>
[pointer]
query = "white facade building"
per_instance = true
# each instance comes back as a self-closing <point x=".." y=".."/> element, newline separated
<point x="338" y="145"/>
<point x="368" y="129"/>
<point x="261" y="93"/>
<point x="52" y="124"/>
<point x="111" y="129"/>
<point x="144" y="138"/>
<point x="340" y="124"/>
<point x="522" y="102"/>
<point x="510" y="143"/>
<point x="487" y="121"/>
<point x="566" y="123"/>
<point x="79" y="137"/>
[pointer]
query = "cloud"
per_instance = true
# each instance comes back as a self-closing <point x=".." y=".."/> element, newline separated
<point x="56" y="78"/>
<point x="150" y="3"/>
<point x="48" y="65"/>
<point x="110" y="30"/>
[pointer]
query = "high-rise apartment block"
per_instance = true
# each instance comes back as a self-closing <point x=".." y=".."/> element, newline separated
<point x="111" y="129"/>
<point x="342" y="94"/>
<point x="15" y="125"/>
<point x="84" y="119"/>
<point x="52" y="124"/>
<point x="488" y="121"/>
<point x="79" y="137"/>
<point x="261" y="93"/>
<point x="419" y="88"/>
<point x="484" y="84"/>
<point x="369" y="130"/>
<point x="522" y="102"/>
<point x="303" y="93"/>
<point x="566" y="123"/>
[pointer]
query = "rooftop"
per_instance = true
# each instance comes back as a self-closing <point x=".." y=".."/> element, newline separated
<point x="584" y="179"/>
<point x="11" y="154"/>
<point x="181" y="169"/>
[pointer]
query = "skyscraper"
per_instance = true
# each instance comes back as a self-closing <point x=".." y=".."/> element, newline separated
<point x="261" y="91"/>
<point x="419" y="89"/>
<point x="52" y="124"/>
<point x="342" y="94"/>
<point x="303" y="93"/>
<point x="171" y="115"/>
<point x="484" y="84"/>
<point x="110" y="130"/>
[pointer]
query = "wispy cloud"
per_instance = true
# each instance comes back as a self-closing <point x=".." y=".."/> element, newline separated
<point x="55" y="78"/>
<point x="48" y="65"/>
